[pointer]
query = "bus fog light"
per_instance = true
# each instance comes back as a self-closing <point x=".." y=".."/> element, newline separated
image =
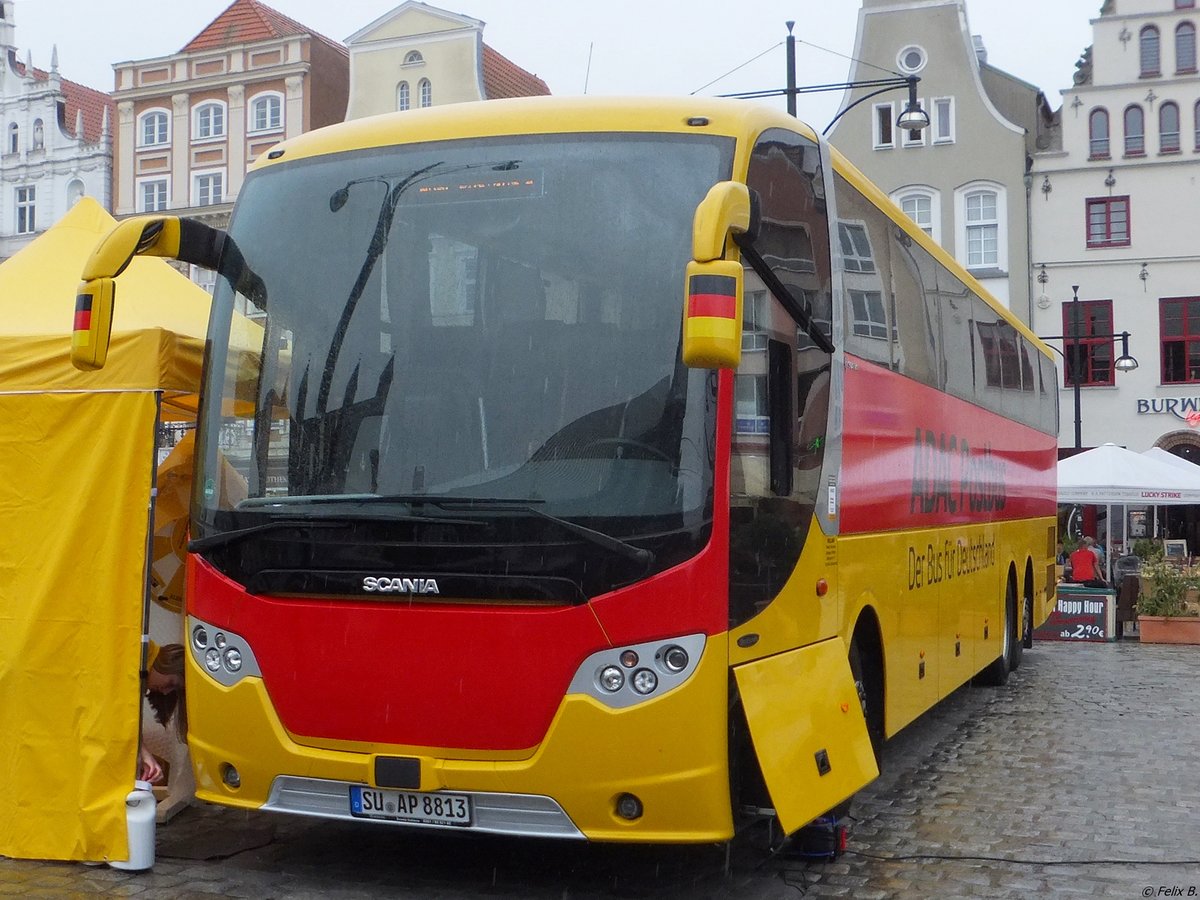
<point x="629" y="658"/>
<point x="233" y="659"/>
<point x="644" y="681"/>
<point x="212" y="659"/>
<point x="220" y="640"/>
<point x="629" y="807"/>
<point x="230" y="776"/>
<point x="675" y="658"/>
<point x="612" y="679"/>
<point x="200" y="637"/>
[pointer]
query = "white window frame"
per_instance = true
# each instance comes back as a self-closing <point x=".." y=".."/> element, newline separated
<point x="751" y="413"/>
<point x="214" y="134"/>
<point x="906" y="138"/>
<point x="935" y="136"/>
<point x="403" y="97"/>
<point x="198" y="176"/>
<point x="144" y="183"/>
<point x="756" y="319"/>
<point x="962" y="226"/>
<point x="872" y="323"/>
<point x="924" y="192"/>
<point x="857" y="262"/>
<point x="413" y="58"/>
<point x="25" y="202"/>
<point x="425" y="93"/>
<point x="877" y="136"/>
<point x="252" y="108"/>
<point x="141" y="128"/>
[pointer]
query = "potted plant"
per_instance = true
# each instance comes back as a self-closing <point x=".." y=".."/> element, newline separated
<point x="1164" y="614"/>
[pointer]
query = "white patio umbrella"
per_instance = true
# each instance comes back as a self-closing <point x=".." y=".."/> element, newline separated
<point x="1108" y="475"/>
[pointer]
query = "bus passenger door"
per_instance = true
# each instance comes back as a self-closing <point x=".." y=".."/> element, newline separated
<point x="808" y="729"/>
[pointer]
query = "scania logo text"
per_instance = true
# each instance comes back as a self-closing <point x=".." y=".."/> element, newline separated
<point x="388" y="585"/>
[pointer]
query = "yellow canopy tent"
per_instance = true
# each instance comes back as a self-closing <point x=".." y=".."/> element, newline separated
<point x="77" y="454"/>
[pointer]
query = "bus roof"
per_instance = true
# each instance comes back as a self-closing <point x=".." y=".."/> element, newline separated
<point x="536" y="115"/>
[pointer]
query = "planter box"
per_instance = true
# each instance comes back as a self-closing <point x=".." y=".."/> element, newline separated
<point x="1169" y="629"/>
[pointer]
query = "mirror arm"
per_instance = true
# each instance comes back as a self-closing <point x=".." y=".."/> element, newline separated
<point x="782" y="294"/>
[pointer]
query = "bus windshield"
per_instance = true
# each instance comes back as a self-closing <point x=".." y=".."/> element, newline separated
<point x="482" y="332"/>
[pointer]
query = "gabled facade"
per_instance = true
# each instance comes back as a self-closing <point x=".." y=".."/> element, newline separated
<point x="418" y="55"/>
<point x="1115" y="212"/>
<point x="963" y="179"/>
<point x="189" y="123"/>
<point x="55" y="146"/>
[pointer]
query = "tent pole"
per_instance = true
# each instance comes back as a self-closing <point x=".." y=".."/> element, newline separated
<point x="147" y="573"/>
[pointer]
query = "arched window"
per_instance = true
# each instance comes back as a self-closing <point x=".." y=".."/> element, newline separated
<point x="921" y="204"/>
<point x="39" y="136"/>
<point x="1185" y="48"/>
<point x="1168" y="128"/>
<point x="1149" y="51"/>
<point x="266" y="112"/>
<point x="153" y="128"/>
<point x="413" y="58"/>
<point x="1135" y="131"/>
<point x="1098" y="133"/>
<point x="403" y="101"/>
<point x="426" y="92"/>
<point x="209" y="121"/>
<point x="14" y="138"/>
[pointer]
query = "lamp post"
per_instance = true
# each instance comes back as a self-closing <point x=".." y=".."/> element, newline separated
<point x="912" y="118"/>
<point x="1123" y="363"/>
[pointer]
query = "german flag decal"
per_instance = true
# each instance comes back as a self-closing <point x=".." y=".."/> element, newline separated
<point x="712" y="295"/>
<point x="83" y="312"/>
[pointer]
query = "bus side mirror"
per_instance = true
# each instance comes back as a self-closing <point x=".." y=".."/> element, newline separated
<point x="92" y="330"/>
<point x="712" y="312"/>
<point x="93" y="323"/>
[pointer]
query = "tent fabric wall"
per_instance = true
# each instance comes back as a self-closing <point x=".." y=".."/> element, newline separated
<point x="71" y="570"/>
<point x="76" y="456"/>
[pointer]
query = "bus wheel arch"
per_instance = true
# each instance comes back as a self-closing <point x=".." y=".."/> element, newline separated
<point x="867" y="666"/>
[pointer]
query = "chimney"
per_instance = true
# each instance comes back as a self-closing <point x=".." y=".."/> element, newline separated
<point x="980" y="50"/>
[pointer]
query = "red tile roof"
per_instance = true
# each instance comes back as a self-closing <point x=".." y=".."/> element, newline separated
<point x="77" y="97"/>
<point x="504" y="78"/>
<point x="247" y="21"/>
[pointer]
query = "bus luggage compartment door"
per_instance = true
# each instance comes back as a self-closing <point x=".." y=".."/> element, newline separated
<point x="808" y="729"/>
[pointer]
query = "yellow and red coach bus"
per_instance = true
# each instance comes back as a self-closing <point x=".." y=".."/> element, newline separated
<point x="608" y="469"/>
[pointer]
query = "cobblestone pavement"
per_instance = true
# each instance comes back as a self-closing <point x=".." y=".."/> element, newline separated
<point x="1078" y="778"/>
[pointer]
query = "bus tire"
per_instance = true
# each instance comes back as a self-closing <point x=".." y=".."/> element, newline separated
<point x="866" y="665"/>
<point x="996" y="674"/>
<point x="1027" y="632"/>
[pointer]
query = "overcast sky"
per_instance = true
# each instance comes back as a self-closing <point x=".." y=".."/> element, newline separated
<point x="634" y="46"/>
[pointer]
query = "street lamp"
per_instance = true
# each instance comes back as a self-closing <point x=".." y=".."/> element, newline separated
<point x="1123" y="363"/>
<point x="912" y="118"/>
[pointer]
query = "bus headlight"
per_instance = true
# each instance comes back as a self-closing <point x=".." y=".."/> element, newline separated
<point x="660" y="667"/>
<point x="612" y="679"/>
<point x="221" y="653"/>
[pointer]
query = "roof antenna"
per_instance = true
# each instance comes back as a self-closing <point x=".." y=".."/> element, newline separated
<point x="588" y="72"/>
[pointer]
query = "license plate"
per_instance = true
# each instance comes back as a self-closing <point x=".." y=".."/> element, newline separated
<point x="410" y="806"/>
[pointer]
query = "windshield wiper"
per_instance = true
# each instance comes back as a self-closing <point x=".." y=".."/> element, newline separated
<point x="224" y="538"/>
<point x="516" y="504"/>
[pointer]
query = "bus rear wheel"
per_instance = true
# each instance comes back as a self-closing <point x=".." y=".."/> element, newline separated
<point x="996" y="674"/>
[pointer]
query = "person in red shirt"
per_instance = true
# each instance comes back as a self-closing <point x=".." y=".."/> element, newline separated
<point x="1084" y="565"/>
